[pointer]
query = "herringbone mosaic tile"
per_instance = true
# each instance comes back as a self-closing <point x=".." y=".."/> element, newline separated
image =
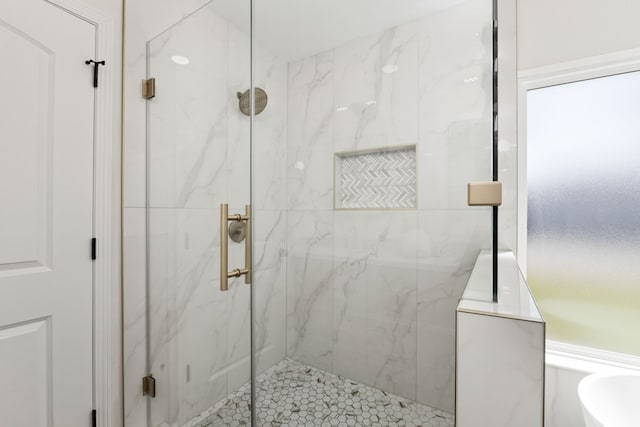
<point x="376" y="180"/>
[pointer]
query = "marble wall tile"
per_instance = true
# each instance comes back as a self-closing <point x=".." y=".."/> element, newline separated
<point x="562" y="403"/>
<point x="448" y="244"/>
<point x="134" y="314"/>
<point x="500" y="371"/>
<point x="202" y="312"/>
<point x="439" y="96"/>
<point x="448" y="161"/>
<point x="310" y="133"/>
<point x="203" y="335"/>
<point x="239" y="334"/>
<point x="270" y="287"/>
<point x="239" y="142"/>
<point x="270" y="156"/>
<point x="270" y="128"/>
<point x="162" y="322"/>
<point x="309" y="287"/>
<point x="268" y="192"/>
<point x="454" y="103"/>
<point x="374" y="301"/>
<point x="375" y="108"/>
<point x="188" y="119"/>
<point x="238" y="322"/>
<point x="188" y="345"/>
<point x="139" y="31"/>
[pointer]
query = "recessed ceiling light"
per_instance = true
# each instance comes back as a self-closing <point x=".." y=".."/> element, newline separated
<point x="180" y="60"/>
<point x="390" y="68"/>
<point x="341" y="109"/>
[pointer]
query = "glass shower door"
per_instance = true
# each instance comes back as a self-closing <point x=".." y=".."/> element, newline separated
<point x="199" y="330"/>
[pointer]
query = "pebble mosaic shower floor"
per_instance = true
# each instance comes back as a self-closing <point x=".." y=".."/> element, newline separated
<point x="293" y="394"/>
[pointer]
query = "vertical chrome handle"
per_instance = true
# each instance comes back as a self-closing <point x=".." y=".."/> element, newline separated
<point x="224" y="246"/>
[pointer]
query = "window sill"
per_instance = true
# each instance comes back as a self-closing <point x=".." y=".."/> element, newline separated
<point x="589" y="360"/>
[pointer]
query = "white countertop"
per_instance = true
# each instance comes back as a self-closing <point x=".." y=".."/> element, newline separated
<point x="514" y="297"/>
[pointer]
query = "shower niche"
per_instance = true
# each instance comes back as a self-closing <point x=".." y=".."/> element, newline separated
<point x="383" y="178"/>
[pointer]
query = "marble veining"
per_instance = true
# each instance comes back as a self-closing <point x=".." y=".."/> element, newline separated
<point x="187" y="165"/>
<point x="294" y="394"/>
<point x="374" y="107"/>
<point x="310" y="105"/>
<point x="309" y="287"/>
<point x="374" y="297"/>
<point x="454" y="103"/>
<point x="395" y="279"/>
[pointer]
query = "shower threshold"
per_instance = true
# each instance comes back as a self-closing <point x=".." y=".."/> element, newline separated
<point x="294" y="394"/>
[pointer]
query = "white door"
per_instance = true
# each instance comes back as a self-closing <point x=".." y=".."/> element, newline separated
<point x="46" y="198"/>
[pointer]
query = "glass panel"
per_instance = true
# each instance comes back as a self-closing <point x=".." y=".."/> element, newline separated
<point x="355" y="302"/>
<point x="583" y="230"/>
<point x="198" y="158"/>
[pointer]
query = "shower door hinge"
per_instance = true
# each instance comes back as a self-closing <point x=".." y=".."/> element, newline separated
<point x="149" y="386"/>
<point x="94" y="250"/>
<point x="94" y="418"/>
<point x="149" y="88"/>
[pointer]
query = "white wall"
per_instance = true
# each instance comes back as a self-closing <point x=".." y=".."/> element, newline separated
<point x="552" y="32"/>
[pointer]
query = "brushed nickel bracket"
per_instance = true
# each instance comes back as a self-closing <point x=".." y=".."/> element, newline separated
<point x="149" y="88"/>
<point x="238" y="230"/>
<point x="149" y="386"/>
<point x="484" y="193"/>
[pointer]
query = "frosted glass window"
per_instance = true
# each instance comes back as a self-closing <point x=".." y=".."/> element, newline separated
<point x="583" y="178"/>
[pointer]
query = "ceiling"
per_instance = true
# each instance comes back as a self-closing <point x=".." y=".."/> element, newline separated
<point x="295" y="29"/>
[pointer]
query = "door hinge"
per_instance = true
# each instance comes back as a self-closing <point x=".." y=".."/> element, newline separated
<point x="94" y="418"/>
<point x="149" y="88"/>
<point x="94" y="250"/>
<point x="95" y="64"/>
<point x="149" y="386"/>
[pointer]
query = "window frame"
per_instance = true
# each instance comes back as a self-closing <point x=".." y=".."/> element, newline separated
<point x="553" y="75"/>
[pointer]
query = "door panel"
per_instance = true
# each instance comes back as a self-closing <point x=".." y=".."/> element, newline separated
<point x="46" y="185"/>
<point x="26" y="355"/>
<point x="27" y="121"/>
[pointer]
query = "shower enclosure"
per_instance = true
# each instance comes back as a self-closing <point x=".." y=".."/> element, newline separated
<point x="304" y="259"/>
